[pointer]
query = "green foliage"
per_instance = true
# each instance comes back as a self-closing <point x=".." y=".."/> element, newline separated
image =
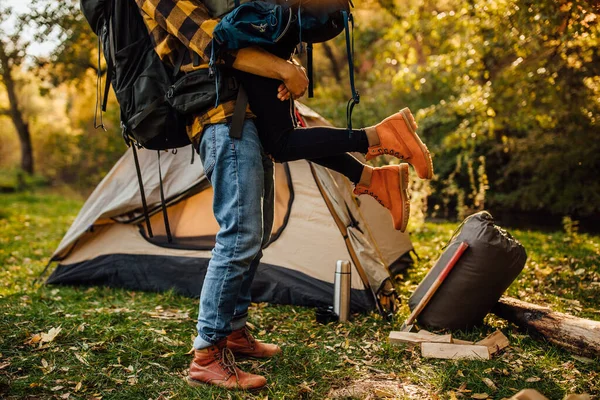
<point x="121" y="344"/>
<point x="15" y="180"/>
<point x="513" y="86"/>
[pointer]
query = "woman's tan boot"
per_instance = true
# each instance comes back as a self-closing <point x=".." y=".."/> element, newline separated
<point x="389" y="186"/>
<point x="398" y="137"/>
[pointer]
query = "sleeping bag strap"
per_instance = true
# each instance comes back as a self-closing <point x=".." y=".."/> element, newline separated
<point x="349" y="21"/>
<point x="162" y="202"/>
<point x="239" y="114"/>
<point x="140" y="183"/>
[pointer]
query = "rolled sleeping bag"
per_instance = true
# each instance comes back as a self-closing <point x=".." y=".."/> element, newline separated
<point x="485" y="270"/>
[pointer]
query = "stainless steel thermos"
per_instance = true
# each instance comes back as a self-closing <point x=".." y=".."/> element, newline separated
<point x="341" y="290"/>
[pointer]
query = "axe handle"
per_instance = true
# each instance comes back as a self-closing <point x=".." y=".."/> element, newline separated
<point x="436" y="284"/>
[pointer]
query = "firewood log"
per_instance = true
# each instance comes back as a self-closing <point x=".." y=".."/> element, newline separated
<point x="578" y="335"/>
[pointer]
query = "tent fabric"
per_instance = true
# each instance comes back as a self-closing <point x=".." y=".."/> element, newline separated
<point x="318" y="221"/>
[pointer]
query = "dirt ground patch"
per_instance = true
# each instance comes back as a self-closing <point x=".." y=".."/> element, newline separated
<point x="374" y="388"/>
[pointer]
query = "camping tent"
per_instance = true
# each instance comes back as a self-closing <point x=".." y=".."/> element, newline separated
<point x="317" y="222"/>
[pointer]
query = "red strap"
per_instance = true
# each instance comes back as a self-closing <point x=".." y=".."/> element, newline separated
<point x="300" y="119"/>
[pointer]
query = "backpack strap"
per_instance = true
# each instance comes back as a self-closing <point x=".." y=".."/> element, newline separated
<point x="178" y="63"/>
<point x="135" y="121"/>
<point x="309" y="70"/>
<point x="239" y="114"/>
<point x="141" y="184"/>
<point x="349" y="20"/>
<point x="162" y="202"/>
<point x="110" y="63"/>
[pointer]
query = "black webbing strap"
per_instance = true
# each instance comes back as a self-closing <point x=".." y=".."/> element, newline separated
<point x="178" y="63"/>
<point x="309" y="70"/>
<point x="109" y="72"/>
<point x="196" y="59"/>
<point x="98" y="89"/>
<point x="141" y="183"/>
<point x="349" y="20"/>
<point x="162" y="202"/>
<point x="239" y="114"/>
<point x="135" y="121"/>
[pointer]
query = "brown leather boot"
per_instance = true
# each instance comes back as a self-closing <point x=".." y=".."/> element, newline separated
<point x="398" y="137"/>
<point x="388" y="187"/>
<point x="215" y="365"/>
<point x="243" y="345"/>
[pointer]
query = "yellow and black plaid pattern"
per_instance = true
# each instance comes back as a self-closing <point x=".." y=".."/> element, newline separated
<point x="185" y="25"/>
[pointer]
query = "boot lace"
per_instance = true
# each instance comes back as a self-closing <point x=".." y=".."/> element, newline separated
<point x="370" y="193"/>
<point x="227" y="362"/>
<point x="390" y="151"/>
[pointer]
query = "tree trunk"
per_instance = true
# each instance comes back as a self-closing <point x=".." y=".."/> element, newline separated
<point x="578" y="335"/>
<point x="15" y="113"/>
<point x="335" y="65"/>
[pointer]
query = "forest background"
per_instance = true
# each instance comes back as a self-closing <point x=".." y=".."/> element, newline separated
<point x="506" y="94"/>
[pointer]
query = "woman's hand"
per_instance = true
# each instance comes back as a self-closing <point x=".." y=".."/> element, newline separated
<point x="283" y="93"/>
<point x="295" y="82"/>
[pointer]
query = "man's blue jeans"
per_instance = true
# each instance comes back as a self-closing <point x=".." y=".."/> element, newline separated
<point x="242" y="180"/>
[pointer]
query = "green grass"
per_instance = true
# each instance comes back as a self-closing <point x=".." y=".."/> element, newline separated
<point x="119" y="344"/>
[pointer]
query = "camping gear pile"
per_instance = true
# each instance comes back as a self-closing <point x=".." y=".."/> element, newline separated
<point x="318" y="221"/>
<point x="467" y="283"/>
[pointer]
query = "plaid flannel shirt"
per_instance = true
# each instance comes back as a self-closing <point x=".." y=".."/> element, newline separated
<point x="185" y="25"/>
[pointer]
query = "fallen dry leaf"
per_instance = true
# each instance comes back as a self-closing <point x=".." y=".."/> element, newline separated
<point x="78" y="386"/>
<point x="81" y="359"/>
<point x="4" y="365"/>
<point x="584" y="360"/>
<point x="35" y="339"/>
<point x="480" y="396"/>
<point x="489" y="383"/>
<point x="533" y="379"/>
<point x="50" y="335"/>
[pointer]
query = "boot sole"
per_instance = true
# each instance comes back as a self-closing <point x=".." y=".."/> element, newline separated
<point x="194" y="383"/>
<point x="403" y="172"/>
<point x="409" y="119"/>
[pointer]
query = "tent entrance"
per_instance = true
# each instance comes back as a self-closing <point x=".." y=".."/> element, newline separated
<point x="193" y="225"/>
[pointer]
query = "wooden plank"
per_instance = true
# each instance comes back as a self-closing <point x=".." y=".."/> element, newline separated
<point x="458" y="341"/>
<point x="495" y="342"/>
<point x="418" y="337"/>
<point x="453" y="351"/>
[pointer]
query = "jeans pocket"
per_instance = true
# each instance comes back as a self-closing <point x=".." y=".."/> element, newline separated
<point x="207" y="150"/>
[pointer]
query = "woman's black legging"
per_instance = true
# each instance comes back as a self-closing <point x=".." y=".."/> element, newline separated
<point x="325" y="146"/>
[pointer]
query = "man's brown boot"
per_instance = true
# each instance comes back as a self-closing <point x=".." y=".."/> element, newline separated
<point x="398" y="137"/>
<point x="215" y="365"/>
<point x="243" y="345"/>
<point x="388" y="187"/>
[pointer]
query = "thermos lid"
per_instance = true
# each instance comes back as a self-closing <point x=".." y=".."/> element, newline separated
<point x="342" y="267"/>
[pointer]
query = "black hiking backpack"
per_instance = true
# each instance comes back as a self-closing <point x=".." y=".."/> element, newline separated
<point x="153" y="97"/>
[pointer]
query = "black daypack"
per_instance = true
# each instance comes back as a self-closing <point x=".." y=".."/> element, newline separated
<point x="153" y="97"/>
